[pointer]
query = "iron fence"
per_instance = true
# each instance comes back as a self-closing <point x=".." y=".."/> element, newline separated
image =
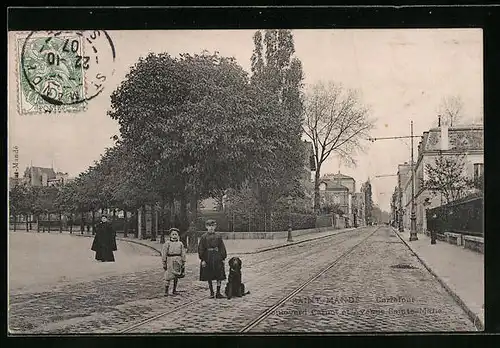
<point x="464" y="217"/>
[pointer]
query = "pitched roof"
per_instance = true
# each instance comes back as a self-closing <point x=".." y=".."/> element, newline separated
<point x="337" y="176"/>
<point x="308" y="145"/>
<point x="334" y="186"/>
<point x="41" y="170"/>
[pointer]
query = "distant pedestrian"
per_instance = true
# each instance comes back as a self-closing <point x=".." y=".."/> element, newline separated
<point x="104" y="241"/>
<point x="173" y="256"/>
<point x="212" y="253"/>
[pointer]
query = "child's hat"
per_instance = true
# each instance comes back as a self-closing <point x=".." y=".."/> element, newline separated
<point x="210" y="222"/>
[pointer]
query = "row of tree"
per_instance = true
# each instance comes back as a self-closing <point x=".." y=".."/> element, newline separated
<point x="196" y="126"/>
<point x="446" y="177"/>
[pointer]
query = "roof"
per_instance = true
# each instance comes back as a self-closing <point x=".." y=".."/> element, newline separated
<point x="460" y="138"/>
<point x="337" y="176"/>
<point x="476" y="126"/>
<point x="334" y="186"/>
<point x="41" y="170"/>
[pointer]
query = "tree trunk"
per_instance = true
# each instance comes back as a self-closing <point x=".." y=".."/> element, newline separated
<point x="157" y="221"/>
<point x="37" y="223"/>
<point x="143" y="221"/>
<point x="31" y="218"/>
<point x="71" y="223"/>
<point x="162" y="220"/>
<point x="15" y="218"/>
<point x="137" y="222"/>
<point x="192" y="236"/>
<point x="183" y="219"/>
<point x="27" y="223"/>
<point x="154" y="222"/>
<point x="93" y="222"/>
<point x="60" y="222"/>
<point x="316" y="190"/>
<point x="125" y="224"/>
<point x="171" y="210"/>
<point x="82" y="225"/>
<point x="49" y="214"/>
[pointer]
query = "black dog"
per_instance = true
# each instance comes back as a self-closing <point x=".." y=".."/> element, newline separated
<point x="234" y="286"/>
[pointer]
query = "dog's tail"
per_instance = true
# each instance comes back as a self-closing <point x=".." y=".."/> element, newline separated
<point x="246" y="293"/>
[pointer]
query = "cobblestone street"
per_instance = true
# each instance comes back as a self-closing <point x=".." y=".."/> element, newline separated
<point x="369" y="289"/>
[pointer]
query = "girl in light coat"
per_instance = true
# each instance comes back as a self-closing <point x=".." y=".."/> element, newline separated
<point x="173" y="255"/>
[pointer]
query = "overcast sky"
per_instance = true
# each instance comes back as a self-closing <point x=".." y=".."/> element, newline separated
<point x="402" y="75"/>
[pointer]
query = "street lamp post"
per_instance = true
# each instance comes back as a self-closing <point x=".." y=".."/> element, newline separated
<point x="400" y="210"/>
<point x="289" y="237"/>
<point x="426" y="204"/>
<point x="413" y="218"/>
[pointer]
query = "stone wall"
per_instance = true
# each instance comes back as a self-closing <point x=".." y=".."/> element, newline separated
<point x="270" y="235"/>
<point x="460" y="240"/>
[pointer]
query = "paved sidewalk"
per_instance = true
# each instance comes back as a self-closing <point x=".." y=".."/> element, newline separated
<point x="460" y="271"/>
<point x="250" y="246"/>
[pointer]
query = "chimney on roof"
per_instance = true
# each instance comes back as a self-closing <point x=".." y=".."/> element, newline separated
<point x="444" y="138"/>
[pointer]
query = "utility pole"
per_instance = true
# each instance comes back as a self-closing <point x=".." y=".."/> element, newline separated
<point x="400" y="210"/>
<point x="413" y="218"/>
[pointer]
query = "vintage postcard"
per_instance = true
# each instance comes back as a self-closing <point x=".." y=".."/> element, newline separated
<point x="245" y="181"/>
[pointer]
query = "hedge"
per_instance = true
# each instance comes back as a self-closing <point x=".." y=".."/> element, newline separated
<point x="260" y="223"/>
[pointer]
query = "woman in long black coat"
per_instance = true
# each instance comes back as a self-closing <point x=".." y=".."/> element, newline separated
<point x="105" y="241"/>
<point x="212" y="253"/>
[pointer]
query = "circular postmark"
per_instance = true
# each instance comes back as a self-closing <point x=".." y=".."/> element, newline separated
<point x="65" y="68"/>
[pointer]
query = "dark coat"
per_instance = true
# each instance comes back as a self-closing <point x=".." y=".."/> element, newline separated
<point x="212" y="250"/>
<point x="104" y="242"/>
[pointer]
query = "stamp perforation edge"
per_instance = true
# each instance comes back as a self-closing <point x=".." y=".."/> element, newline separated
<point x="54" y="109"/>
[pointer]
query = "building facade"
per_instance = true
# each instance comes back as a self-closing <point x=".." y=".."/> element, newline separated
<point x="359" y="209"/>
<point x="366" y="191"/>
<point x="465" y="142"/>
<point x="338" y="189"/>
<point x="40" y="176"/>
<point x="404" y="184"/>
<point x="395" y="207"/>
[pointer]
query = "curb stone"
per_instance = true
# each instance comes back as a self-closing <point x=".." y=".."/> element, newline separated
<point x="126" y="240"/>
<point x="261" y="250"/>
<point x="478" y="324"/>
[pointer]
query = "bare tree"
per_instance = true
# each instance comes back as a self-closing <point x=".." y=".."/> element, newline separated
<point x="451" y="109"/>
<point x="447" y="177"/>
<point x="336" y="122"/>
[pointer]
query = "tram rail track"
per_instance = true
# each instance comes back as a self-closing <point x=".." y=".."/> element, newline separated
<point x="271" y="309"/>
<point x="268" y="312"/>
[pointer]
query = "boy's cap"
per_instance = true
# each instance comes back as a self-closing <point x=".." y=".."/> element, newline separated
<point x="173" y="229"/>
<point x="210" y="222"/>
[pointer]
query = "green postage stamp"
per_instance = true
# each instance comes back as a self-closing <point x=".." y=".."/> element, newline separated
<point x="60" y="71"/>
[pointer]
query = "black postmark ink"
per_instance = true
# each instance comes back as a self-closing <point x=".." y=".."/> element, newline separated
<point x="62" y="68"/>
